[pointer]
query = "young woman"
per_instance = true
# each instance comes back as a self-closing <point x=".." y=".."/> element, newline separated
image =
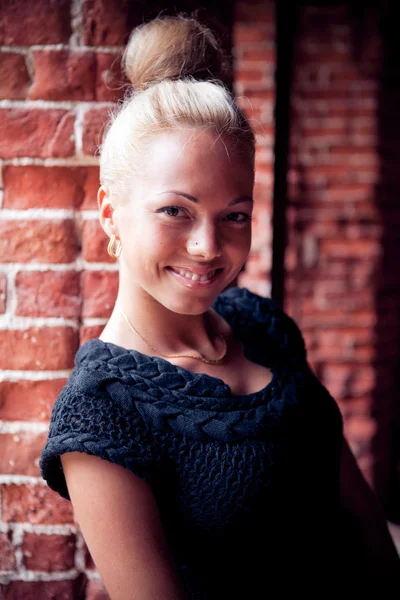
<point x="202" y="457"/>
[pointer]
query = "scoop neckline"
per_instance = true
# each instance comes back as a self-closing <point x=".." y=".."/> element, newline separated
<point x="217" y="382"/>
<point x="223" y="305"/>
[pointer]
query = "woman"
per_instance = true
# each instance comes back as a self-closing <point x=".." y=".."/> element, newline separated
<point x="202" y="457"/>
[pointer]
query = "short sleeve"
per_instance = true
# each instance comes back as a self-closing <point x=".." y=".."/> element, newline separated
<point x="99" y="424"/>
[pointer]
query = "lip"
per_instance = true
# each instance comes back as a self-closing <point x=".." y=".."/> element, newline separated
<point x="197" y="270"/>
<point x="189" y="283"/>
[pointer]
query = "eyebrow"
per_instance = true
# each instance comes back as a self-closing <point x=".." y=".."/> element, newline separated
<point x="193" y="199"/>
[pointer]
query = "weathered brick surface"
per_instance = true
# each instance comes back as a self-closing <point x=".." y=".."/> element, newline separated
<point x="94" y="124"/>
<point x="3" y="293"/>
<point x="342" y="225"/>
<point x="95" y="242"/>
<point x="7" y="553"/>
<point x="91" y="187"/>
<point x="28" y="400"/>
<point x="14" y="76"/>
<point x="88" y="332"/>
<point x="38" y="348"/>
<point x="111" y="85"/>
<point x="45" y="590"/>
<point x="254" y="49"/>
<point x="63" y="75"/>
<point x="41" y="241"/>
<point x="25" y="23"/>
<point x="48" y="552"/>
<point x="109" y="23"/>
<point x="95" y="590"/>
<point x="50" y="187"/>
<point x="20" y="453"/>
<point x="99" y="290"/>
<point x="36" y="504"/>
<point x="37" y="133"/>
<point x="48" y="294"/>
<point x="89" y="562"/>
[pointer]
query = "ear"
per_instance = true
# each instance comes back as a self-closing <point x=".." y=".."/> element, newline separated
<point x="107" y="214"/>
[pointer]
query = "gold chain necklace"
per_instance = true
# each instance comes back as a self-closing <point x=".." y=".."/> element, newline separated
<point x="199" y="357"/>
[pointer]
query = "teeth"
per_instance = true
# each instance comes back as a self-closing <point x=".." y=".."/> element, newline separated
<point x="195" y="276"/>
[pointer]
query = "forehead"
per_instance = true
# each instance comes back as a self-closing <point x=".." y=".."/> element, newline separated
<point x="195" y="154"/>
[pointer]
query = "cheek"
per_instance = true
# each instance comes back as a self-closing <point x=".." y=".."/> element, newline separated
<point x="151" y="245"/>
<point x="239" y="241"/>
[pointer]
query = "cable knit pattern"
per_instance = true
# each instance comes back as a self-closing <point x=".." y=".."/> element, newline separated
<point x="223" y="468"/>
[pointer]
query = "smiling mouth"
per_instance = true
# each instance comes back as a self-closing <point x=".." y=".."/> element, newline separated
<point x="195" y="276"/>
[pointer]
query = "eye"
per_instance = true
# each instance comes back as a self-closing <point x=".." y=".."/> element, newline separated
<point x="239" y="217"/>
<point x="172" y="211"/>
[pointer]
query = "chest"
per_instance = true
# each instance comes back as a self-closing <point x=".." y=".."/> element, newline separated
<point x="242" y="375"/>
<point x="245" y="377"/>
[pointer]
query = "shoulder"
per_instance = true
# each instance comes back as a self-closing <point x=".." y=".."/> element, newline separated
<point x="95" y="414"/>
<point x="99" y="390"/>
<point x="256" y="316"/>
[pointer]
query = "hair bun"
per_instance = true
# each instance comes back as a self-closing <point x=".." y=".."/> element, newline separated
<point x="173" y="48"/>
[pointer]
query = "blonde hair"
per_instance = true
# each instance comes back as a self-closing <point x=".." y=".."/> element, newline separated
<point x="177" y="70"/>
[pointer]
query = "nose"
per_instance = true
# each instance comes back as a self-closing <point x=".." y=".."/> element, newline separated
<point x="205" y="241"/>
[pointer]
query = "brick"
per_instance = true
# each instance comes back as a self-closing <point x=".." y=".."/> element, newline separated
<point x="63" y="75"/>
<point x="35" y="504"/>
<point x="20" y="453"/>
<point x="48" y="552"/>
<point x="3" y="293"/>
<point x="95" y="590"/>
<point x="95" y="242"/>
<point x="249" y="76"/>
<point x="28" y="400"/>
<point x="27" y="23"/>
<point x="65" y="589"/>
<point x="14" y="76"/>
<point x="7" y="553"/>
<point x="261" y="95"/>
<point x="368" y="249"/>
<point x="109" y="23"/>
<point x="111" y="84"/>
<point x="351" y="407"/>
<point x="38" y="348"/>
<point x="38" y="241"/>
<point x="99" y="291"/>
<point x="37" y="132"/>
<point x="48" y="294"/>
<point x="88" y="332"/>
<point x="89" y="562"/>
<point x="265" y="56"/>
<point x="244" y="34"/>
<point x="347" y="381"/>
<point x="50" y="187"/>
<point x="90" y="189"/>
<point x="94" y="125"/>
<point x="360" y="428"/>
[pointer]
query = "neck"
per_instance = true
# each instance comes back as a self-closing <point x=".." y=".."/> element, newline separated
<point x="168" y="332"/>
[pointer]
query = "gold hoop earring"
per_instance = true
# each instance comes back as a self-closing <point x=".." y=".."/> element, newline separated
<point x="114" y="247"/>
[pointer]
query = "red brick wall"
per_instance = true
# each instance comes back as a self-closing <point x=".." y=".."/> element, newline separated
<point x="340" y="262"/>
<point x="59" y="75"/>
<point x="254" y="75"/>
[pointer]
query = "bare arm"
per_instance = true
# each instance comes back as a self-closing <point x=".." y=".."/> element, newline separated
<point x="119" y="519"/>
<point x="362" y="506"/>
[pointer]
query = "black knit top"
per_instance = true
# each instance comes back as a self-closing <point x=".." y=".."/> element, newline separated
<point x="247" y="486"/>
